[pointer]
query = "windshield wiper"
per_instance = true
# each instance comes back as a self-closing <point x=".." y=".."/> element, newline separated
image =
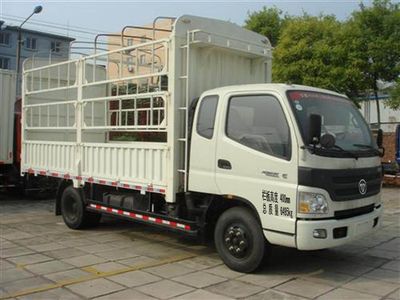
<point x="345" y="151"/>
<point x="376" y="151"/>
<point x="313" y="149"/>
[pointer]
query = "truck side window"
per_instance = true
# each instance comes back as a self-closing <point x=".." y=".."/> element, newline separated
<point x="258" y="122"/>
<point x="206" y="118"/>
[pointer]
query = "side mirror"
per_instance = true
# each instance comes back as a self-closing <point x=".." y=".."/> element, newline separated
<point x="379" y="138"/>
<point x="379" y="142"/>
<point x="314" y="129"/>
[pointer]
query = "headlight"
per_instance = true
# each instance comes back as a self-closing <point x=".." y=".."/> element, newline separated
<point x="312" y="203"/>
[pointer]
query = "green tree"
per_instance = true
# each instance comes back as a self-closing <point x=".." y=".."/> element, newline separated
<point x="349" y="57"/>
<point x="373" y="45"/>
<point x="268" y="22"/>
<point x="310" y="51"/>
<point x="394" y="93"/>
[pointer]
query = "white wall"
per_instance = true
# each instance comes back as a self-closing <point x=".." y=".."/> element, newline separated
<point x="368" y="110"/>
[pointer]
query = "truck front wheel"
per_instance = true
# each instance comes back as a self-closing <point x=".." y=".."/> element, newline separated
<point x="73" y="210"/>
<point x="239" y="240"/>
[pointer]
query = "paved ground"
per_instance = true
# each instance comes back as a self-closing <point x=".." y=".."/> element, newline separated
<point x="42" y="259"/>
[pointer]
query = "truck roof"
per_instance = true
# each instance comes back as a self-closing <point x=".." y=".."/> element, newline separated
<point x="279" y="87"/>
<point x="220" y="28"/>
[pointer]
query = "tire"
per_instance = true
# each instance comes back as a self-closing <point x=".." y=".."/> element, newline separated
<point x="73" y="210"/>
<point x="237" y="228"/>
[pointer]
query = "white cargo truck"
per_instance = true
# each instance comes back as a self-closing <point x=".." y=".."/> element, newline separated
<point x="9" y="173"/>
<point x="7" y="101"/>
<point x="184" y="132"/>
<point x="10" y="143"/>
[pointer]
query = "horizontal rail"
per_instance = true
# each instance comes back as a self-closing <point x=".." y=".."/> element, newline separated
<point x="49" y="142"/>
<point x="132" y="128"/>
<point x="51" y="90"/>
<point x="51" y="65"/>
<point x="128" y="96"/>
<point x="136" y="109"/>
<point x="52" y="128"/>
<point x="50" y="103"/>
<point x="125" y="78"/>
<point x="129" y="145"/>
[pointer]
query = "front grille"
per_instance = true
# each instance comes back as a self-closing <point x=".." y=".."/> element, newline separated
<point x="354" y="212"/>
<point x="346" y="187"/>
<point x="342" y="184"/>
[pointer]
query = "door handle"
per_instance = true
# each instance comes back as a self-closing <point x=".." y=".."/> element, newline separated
<point x="224" y="164"/>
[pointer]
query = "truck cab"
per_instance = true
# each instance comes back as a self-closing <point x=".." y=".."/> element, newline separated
<point x="252" y="143"/>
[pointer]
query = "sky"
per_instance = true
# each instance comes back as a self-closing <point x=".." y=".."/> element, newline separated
<point x="82" y="19"/>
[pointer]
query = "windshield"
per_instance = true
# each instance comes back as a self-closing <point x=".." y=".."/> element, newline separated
<point x="339" y="116"/>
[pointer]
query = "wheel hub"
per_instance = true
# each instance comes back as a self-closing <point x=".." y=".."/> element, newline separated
<point x="236" y="241"/>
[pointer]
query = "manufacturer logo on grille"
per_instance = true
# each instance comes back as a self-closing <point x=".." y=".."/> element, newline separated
<point x="362" y="186"/>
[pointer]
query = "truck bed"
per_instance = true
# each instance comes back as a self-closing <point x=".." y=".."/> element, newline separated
<point x="138" y="166"/>
<point x="76" y="111"/>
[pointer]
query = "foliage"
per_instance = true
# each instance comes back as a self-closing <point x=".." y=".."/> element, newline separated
<point x="310" y="52"/>
<point x="394" y="93"/>
<point x="373" y="43"/>
<point x="348" y="57"/>
<point x="268" y="22"/>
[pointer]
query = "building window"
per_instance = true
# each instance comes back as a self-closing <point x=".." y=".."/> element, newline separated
<point x="4" y="63"/>
<point x="143" y="39"/>
<point x="30" y="43"/>
<point x="130" y="42"/>
<point x="55" y="47"/>
<point x="142" y="59"/>
<point x="4" y="38"/>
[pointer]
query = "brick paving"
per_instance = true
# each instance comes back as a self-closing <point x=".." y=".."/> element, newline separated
<point x="40" y="258"/>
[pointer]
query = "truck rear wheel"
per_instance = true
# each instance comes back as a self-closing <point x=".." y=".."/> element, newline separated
<point x="73" y="210"/>
<point x="239" y="240"/>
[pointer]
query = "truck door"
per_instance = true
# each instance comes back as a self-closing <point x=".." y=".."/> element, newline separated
<point x="255" y="160"/>
<point x="203" y="146"/>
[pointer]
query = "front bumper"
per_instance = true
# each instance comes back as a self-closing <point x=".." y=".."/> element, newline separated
<point x="338" y="232"/>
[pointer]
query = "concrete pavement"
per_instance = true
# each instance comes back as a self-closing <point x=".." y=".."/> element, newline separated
<point x="42" y="259"/>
